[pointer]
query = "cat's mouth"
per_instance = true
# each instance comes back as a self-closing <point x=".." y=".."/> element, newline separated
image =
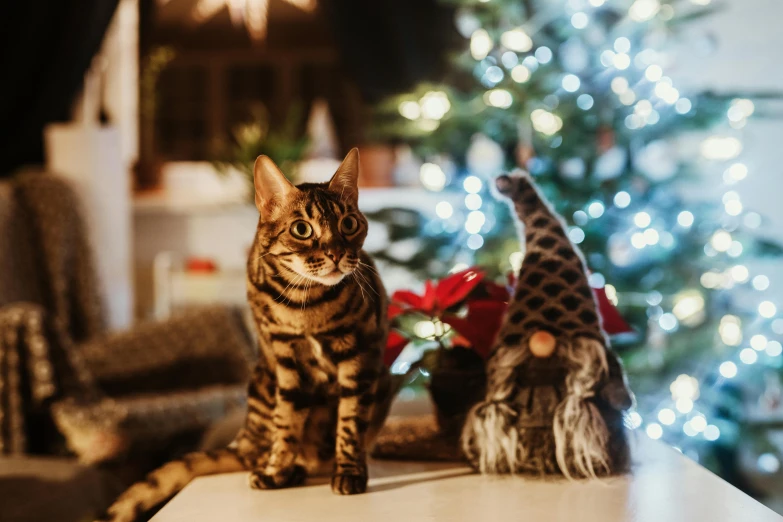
<point x="330" y="278"/>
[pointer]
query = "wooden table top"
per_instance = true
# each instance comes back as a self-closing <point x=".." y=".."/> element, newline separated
<point x="664" y="486"/>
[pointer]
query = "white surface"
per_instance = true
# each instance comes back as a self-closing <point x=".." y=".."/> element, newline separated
<point x="663" y="487"/>
<point x="89" y="156"/>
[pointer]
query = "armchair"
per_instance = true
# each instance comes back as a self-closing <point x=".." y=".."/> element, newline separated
<point x="64" y="380"/>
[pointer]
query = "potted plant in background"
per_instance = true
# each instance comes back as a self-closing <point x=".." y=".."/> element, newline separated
<point x="285" y="144"/>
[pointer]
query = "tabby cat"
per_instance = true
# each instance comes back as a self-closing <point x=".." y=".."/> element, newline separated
<point x="320" y="390"/>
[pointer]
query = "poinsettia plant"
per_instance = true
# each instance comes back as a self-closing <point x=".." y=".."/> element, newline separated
<point x="464" y="310"/>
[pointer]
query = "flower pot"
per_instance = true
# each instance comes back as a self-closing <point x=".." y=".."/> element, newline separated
<point x="457" y="382"/>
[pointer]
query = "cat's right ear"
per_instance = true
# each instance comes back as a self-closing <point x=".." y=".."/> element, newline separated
<point x="270" y="183"/>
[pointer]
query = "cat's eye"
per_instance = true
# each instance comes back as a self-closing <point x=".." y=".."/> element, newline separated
<point x="301" y="229"/>
<point x="349" y="225"/>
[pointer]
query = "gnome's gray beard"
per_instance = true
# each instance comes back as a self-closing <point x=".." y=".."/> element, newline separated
<point x="490" y="427"/>
<point x="580" y="433"/>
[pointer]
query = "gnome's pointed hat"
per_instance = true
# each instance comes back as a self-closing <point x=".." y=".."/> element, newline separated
<point x="552" y="292"/>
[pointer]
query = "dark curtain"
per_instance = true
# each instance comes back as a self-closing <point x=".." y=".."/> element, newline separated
<point x="46" y="46"/>
<point x="388" y="46"/>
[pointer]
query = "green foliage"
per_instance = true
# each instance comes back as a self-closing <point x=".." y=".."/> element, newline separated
<point x="286" y="145"/>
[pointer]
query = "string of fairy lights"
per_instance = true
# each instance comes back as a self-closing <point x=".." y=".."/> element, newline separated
<point x="638" y="80"/>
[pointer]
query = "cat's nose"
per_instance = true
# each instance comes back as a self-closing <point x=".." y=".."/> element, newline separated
<point x="335" y="254"/>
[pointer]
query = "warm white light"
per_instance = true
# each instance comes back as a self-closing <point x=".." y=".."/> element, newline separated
<point x="516" y="40"/>
<point x="434" y="105"/>
<point x="472" y="184"/>
<point x="667" y="416"/>
<point x="748" y="356"/>
<point x="520" y="74"/>
<point x="736" y="172"/>
<point x="611" y="294"/>
<point x="654" y="431"/>
<point x="444" y="210"/>
<point x="651" y="236"/>
<point x="628" y="97"/>
<point x="580" y="20"/>
<point x="499" y="98"/>
<point x="759" y="342"/>
<point x="743" y="107"/>
<point x="642" y="219"/>
<point x="684" y="405"/>
<point x="699" y="423"/>
<point x="571" y="82"/>
<point x="410" y="110"/>
<point x="721" y="241"/>
<point x="768" y="309"/>
<point x="688" y="306"/>
<point x="638" y="241"/>
<point x="740" y="273"/>
<point x="475" y="221"/>
<point x="733" y="207"/>
<point x="621" y="61"/>
<point x="643" y="108"/>
<point x="761" y="283"/>
<point x="685" y="219"/>
<point x="728" y="369"/>
<point x="730" y="330"/>
<point x="432" y="177"/>
<point x="622" y="199"/>
<point x="473" y="202"/>
<point x="480" y="44"/>
<point x="545" y="122"/>
<point x="721" y="148"/>
<point x="424" y="329"/>
<point x="597" y="3"/>
<point x="515" y="260"/>
<point x="619" y="85"/>
<point x="653" y="73"/>
<point x="596" y="209"/>
<point x="643" y="10"/>
<point x="685" y="386"/>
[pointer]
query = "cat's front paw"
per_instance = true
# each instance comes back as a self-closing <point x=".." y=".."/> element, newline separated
<point x="285" y="478"/>
<point x="349" y="484"/>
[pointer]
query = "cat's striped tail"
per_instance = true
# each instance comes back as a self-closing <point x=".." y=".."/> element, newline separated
<point x="168" y="480"/>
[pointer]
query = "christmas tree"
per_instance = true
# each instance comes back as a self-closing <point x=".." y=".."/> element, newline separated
<point x="577" y="93"/>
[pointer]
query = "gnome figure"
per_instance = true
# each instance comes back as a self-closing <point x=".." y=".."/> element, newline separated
<point x="555" y="391"/>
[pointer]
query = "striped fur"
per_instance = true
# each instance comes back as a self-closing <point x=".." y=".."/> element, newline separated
<point x="320" y="390"/>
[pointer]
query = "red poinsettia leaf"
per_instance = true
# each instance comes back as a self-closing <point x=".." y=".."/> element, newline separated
<point x="406" y="297"/>
<point x="429" y="299"/>
<point x="394" y="310"/>
<point x="613" y="322"/>
<point x="394" y="346"/>
<point x="496" y="292"/>
<point x="481" y="325"/>
<point x="453" y="289"/>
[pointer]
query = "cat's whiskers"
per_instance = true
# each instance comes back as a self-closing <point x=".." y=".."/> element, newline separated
<point x="362" y="276"/>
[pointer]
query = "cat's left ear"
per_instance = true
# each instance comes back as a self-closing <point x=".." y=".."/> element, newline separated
<point x="346" y="180"/>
